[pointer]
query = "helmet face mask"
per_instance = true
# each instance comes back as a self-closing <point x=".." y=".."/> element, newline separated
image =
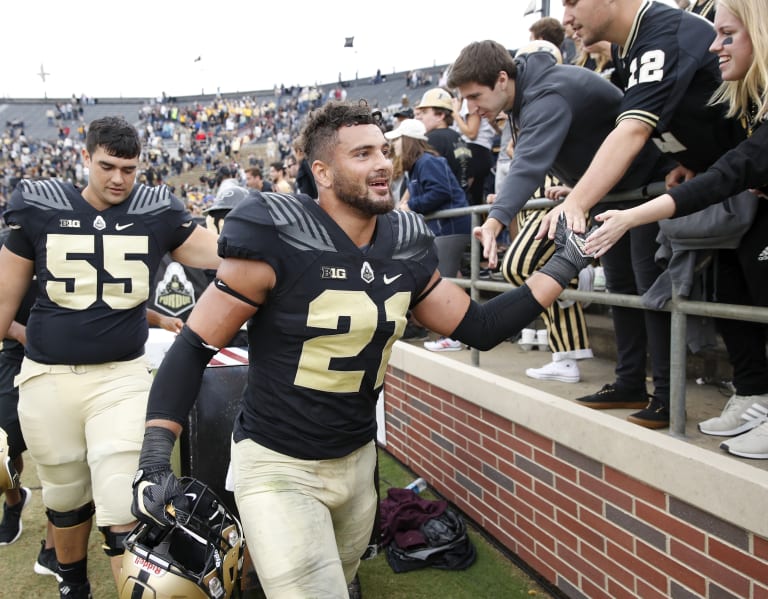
<point x="200" y="558"/>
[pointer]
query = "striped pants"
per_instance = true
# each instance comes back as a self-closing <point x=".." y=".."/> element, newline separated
<point x="566" y="327"/>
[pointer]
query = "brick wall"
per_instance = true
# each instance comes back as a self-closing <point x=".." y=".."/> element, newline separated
<point x="588" y="528"/>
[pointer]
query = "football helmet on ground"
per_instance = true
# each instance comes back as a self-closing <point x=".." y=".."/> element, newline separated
<point x="201" y="558"/>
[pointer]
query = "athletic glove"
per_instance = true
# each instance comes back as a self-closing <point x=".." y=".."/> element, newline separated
<point x="157" y="495"/>
<point x="569" y="257"/>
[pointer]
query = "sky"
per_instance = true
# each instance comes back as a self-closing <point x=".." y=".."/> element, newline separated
<point x="143" y="48"/>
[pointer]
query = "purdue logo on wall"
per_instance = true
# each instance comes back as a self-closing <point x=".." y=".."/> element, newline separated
<point x="175" y="293"/>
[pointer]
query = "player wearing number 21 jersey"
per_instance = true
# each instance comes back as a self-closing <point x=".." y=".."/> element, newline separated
<point x="325" y="285"/>
<point x="319" y="350"/>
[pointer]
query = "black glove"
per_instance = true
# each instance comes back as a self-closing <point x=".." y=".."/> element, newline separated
<point x="569" y="257"/>
<point x="157" y="495"/>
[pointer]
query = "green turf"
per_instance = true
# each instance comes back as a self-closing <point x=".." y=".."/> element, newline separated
<point x="492" y="575"/>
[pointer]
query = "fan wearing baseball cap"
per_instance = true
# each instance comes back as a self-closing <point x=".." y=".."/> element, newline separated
<point x="435" y="110"/>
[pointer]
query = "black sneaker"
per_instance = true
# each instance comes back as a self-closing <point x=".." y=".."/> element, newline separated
<point x="654" y="415"/>
<point x="413" y="331"/>
<point x="10" y="526"/>
<point x="46" y="563"/>
<point x="354" y="589"/>
<point x="611" y="396"/>
<point x="67" y="590"/>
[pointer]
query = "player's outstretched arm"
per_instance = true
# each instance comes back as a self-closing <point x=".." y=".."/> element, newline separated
<point x="448" y="310"/>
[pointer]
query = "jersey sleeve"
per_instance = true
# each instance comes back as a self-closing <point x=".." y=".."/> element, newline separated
<point x="266" y="224"/>
<point x="31" y="205"/>
<point x="414" y="244"/>
<point x="166" y="209"/>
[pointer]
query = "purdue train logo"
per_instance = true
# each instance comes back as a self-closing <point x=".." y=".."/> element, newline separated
<point x="175" y="293"/>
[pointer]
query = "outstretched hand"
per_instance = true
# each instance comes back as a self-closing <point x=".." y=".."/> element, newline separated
<point x="602" y="239"/>
<point x="570" y="254"/>
<point x="487" y="239"/>
<point x="575" y="220"/>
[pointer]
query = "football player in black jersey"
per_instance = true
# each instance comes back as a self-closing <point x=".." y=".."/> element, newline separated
<point x="84" y="382"/>
<point x="326" y="285"/>
<point x="661" y="58"/>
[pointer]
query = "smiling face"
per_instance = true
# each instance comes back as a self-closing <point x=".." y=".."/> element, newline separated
<point x="362" y="170"/>
<point x="110" y="179"/>
<point x="733" y="45"/>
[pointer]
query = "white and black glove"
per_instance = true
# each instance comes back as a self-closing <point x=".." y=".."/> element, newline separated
<point x="569" y="257"/>
<point x="157" y="495"/>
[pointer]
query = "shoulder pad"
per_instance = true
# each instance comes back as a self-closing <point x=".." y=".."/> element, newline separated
<point x="412" y="236"/>
<point x="296" y="225"/>
<point x="46" y="194"/>
<point x="149" y="200"/>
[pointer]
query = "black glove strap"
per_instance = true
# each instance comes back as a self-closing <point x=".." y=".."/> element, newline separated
<point x="560" y="269"/>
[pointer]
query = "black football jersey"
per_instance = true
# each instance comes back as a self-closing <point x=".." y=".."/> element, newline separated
<point x="669" y="76"/>
<point x="93" y="268"/>
<point x="319" y="346"/>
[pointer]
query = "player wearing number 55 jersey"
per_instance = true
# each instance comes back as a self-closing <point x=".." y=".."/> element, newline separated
<point x="83" y="383"/>
<point x="326" y="285"/>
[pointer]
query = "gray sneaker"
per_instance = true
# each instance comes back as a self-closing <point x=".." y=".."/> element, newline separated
<point x="753" y="444"/>
<point x="742" y="413"/>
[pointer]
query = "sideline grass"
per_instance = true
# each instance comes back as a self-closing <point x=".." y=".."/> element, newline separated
<point x="492" y="575"/>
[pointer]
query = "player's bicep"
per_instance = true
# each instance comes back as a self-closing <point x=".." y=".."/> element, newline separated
<point x="443" y="308"/>
<point x="199" y="250"/>
<point x="220" y="313"/>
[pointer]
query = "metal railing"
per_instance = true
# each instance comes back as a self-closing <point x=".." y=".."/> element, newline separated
<point x="678" y="307"/>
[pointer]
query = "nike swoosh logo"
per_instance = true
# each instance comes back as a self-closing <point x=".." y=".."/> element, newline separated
<point x="388" y="280"/>
<point x="119" y="227"/>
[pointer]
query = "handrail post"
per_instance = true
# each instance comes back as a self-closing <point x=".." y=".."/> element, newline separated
<point x="678" y="346"/>
<point x="474" y="274"/>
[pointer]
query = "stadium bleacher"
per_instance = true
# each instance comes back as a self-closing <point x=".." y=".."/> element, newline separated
<point x="32" y="113"/>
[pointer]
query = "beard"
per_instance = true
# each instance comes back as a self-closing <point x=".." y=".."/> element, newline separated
<point x="360" y="197"/>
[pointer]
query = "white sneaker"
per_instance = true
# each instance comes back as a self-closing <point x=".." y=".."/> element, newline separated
<point x="598" y="283"/>
<point x="542" y="339"/>
<point x="443" y="344"/>
<point x="527" y="339"/>
<point x="741" y="414"/>
<point x="753" y="444"/>
<point x="565" y="371"/>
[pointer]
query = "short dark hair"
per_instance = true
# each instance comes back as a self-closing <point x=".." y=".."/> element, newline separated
<point x="255" y="171"/>
<point x="481" y="62"/>
<point x="116" y="135"/>
<point x="320" y="132"/>
<point x="549" y="29"/>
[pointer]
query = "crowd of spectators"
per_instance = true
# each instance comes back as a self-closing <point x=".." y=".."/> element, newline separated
<point x="177" y="138"/>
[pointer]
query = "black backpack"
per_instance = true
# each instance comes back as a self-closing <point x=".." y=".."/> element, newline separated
<point x="448" y="547"/>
